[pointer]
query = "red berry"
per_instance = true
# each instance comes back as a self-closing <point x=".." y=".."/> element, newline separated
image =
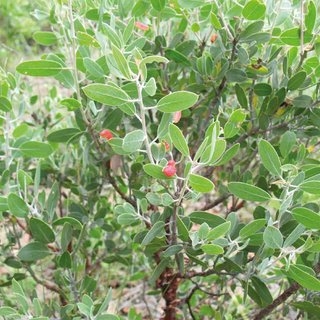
<point x="106" y="134"/>
<point x="141" y="26"/>
<point x="169" y="171"/>
<point x="171" y="163"/>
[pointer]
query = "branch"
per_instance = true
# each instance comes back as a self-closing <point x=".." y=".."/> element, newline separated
<point x="281" y="299"/>
<point x="216" y="202"/>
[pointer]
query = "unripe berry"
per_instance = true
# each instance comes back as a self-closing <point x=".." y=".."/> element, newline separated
<point x="169" y="171"/>
<point x="106" y="134"/>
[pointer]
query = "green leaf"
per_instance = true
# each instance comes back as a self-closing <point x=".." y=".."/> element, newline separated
<point x="252" y="228"/>
<point x="36" y="149"/>
<point x="72" y="221"/>
<point x="127" y="219"/>
<point x="33" y="251"/>
<point x="272" y="237"/>
<point x="215" y="21"/>
<point x="93" y="68"/>
<point x="151" y="87"/>
<point x="236" y="75"/>
<point x="158" y="4"/>
<point x="108" y="94"/>
<point x="269" y="157"/>
<point x="132" y="142"/>
<point x="86" y="39"/>
<point x="311" y="17"/>
<point x="153" y="170"/>
<point x="3" y="204"/>
<point x="262" y="89"/>
<point x="178" y="139"/>
<point x="158" y="270"/>
<point x="200" y="184"/>
<point x="17" y="206"/>
<point x="177" y="101"/>
<point x="152" y="59"/>
<point x="304" y="277"/>
<point x="156" y="230"/>
<point x="183" y="232"/>
<point x="248" y="192"/>
<point x="241" y="96"/>
<point x="251" y="30"/>
<point x="294" y="235"/>
<point x="302" y="101"/>
<point x="307" y="217"/>
<point x="292" y="37"/>
<point x="70" y="103"/>
<point x="200" y="217"/>
<point x="53" y="198"/>
<point x="8" y="311"/>
<point x="172" y="250"/>
<point x="212" y="249"/>
<point x="296" y="81"/>
<point x="41" y="231"/>
<point x="45" y="38"/>
<point x="228" y="155"/>
<point x="39" y="68"/>
<point x="254" y="10"/>
<point x="287" y="142"/>
<point x="65" y="260"/>
<point x="177" y="57"/>
<point x="262" y="291"/>
<point x="219" y="231"/>
<point x="63" y="135"/>
<point x="307" y="306"/>
<point x="5" y="104"/>
<point x="312" y="187"/>
<point x="121" y="62"/>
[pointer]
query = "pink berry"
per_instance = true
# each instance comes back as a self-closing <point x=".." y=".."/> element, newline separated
<point x="171" y="163"/>
<point x="106" y="134"/>
<point x="169" y="171"/>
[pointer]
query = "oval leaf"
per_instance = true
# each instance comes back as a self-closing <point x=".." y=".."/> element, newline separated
<point x="254" y="10"/>
<point x="63" y="135"/>
<point x="312" y="187"/>
<point x="33" y="251"/>
<point x="248" y="192"/>
<point x="269" y="157"/>
<point x="307" y="217"/>
<point x="304" y="278"/>
<point x="156" y="229"/>
<point x="154" y="170"/>
<point x="212" y="249"/>
<point x="273" y="237"/>
<point x="200" y="217"/>
<point x="39" y="68"/>
<point x="17" y="206"/>
<point x="107" y="94"/>
<point x="200" y="184"/>
<point x="252" y="228"/>
<point x="177" y="101"/>
<point x="296" y="81"/>
<point x="41" y="231"/>
<point x="36" y="149"/>
<point x="178" y="139"/>
<point x="45" y="38"/>
<point x="132" y="142"/>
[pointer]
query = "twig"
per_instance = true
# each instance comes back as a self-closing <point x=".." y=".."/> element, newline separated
<point x="216" y="202"/>
<point x="281" y="299"/>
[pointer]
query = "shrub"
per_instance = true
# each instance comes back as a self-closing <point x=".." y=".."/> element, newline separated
<point x="175" y="146"/>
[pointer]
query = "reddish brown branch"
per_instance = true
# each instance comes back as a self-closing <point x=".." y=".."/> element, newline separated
<point x="277" y="302"/>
